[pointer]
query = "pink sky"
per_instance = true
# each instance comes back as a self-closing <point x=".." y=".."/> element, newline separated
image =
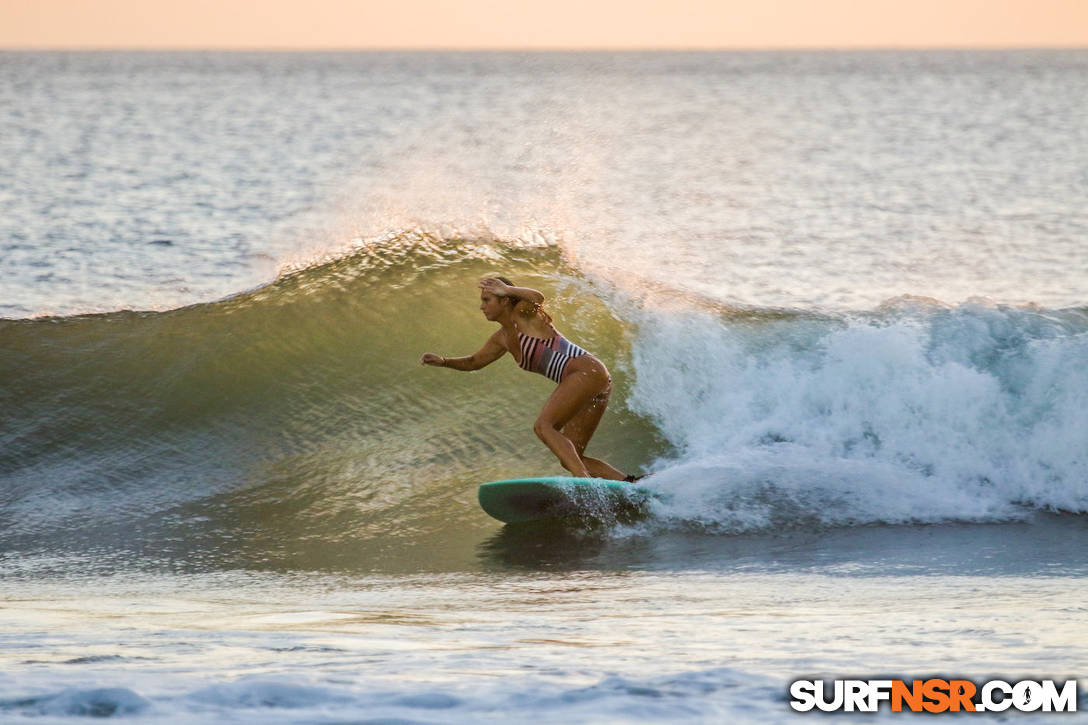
<point x="318" y="24"/>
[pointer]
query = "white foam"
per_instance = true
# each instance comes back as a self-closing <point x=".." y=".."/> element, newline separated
<point x="925" y="414"/>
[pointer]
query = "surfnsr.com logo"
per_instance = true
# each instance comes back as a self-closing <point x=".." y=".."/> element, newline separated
<point x="934" y="695"/>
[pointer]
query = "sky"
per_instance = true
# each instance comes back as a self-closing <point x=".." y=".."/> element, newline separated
<point x="541" y="24"/>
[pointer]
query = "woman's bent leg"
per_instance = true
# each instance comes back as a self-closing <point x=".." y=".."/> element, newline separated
<point x="581" y="427"/>
<point x="574" y="393"/>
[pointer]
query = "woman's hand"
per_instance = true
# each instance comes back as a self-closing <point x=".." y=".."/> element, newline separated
<point x="495" y="286"/>
<point x="429" y="358"/>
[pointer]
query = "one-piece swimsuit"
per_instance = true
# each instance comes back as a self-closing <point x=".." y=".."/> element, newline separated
<point x="547" y="356"/>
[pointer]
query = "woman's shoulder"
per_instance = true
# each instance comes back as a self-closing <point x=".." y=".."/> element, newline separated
<point x="535" y="327"/>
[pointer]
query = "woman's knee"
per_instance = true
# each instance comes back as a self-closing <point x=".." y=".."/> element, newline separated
<point x="542" y="427"/>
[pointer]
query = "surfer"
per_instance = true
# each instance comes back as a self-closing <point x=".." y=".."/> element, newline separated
<point x="570" y="417"/>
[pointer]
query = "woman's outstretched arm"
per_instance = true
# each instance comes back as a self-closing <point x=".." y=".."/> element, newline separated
<point x="492" y="350"/>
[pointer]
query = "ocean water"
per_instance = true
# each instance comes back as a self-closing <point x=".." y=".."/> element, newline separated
<point x="844" y="300"/>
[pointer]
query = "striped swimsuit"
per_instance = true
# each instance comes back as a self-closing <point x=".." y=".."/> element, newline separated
<point x="547" y="356"/>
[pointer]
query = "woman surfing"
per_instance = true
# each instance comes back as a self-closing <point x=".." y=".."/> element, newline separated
<point x="570" y="417"/>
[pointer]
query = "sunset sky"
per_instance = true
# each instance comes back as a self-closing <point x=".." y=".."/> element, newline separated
<point x="320" y="24"/>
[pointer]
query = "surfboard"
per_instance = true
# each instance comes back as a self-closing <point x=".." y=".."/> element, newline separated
<point x="563" y="497"/>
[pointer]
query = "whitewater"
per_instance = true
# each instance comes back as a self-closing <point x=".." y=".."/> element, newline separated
<point x="841" y="295"/>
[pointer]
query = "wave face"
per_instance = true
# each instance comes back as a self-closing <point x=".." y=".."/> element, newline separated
<point x="292" y="423"/>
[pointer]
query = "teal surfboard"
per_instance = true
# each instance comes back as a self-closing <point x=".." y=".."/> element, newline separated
<point x="563" y="497"/>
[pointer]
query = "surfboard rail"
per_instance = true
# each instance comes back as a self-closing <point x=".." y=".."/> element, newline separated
<point x="544" y="498"/>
